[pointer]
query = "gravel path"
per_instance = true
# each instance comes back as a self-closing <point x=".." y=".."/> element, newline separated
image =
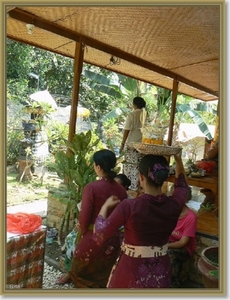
<point x="50" y="276"/>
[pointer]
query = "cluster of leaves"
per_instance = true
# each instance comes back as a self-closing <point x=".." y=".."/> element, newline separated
<point x="13" y="145"/>
<point x="76" y="167"/>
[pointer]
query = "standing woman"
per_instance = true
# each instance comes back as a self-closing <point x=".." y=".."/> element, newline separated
<point x="132" y="133"/>
<point x="148" y="221"/>
<point x="91" y="264"/>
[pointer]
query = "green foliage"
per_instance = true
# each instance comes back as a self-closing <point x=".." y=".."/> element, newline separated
<point x="115" y="114"/>
<point x="13" y="133"/>
<point x="55" y="71"/>
<point x="207" y="207"/>
<point x="100" y="83"/>
<point x="13" y="145"/>
<point x="57" y="133"/>
<point x="196" y="118"/>
<point x="18" y="59"/>
<point x="214" y="273"/>
<point x="17" y="90"/>
<point x="111" y="132"/>
<point x="76" y="168"/>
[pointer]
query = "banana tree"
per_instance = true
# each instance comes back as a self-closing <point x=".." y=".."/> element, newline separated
<point x="128" y="88"/>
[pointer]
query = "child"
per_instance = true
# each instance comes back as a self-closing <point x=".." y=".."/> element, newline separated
<point x="182" y="242"/>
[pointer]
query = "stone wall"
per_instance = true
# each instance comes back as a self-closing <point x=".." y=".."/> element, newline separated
<point x="55" y="212"/>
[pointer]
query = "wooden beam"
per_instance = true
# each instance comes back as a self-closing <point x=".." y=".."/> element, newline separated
<point x="75" y="36"/>
<point x="78" y="63"/>
<point x="173" y="109"/>
<point x="9" y="8"/>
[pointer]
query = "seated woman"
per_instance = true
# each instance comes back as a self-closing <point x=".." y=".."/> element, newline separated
<point x="182" y="242"/>
<point x="70" y="240"/>
<point x="212" y="154"/>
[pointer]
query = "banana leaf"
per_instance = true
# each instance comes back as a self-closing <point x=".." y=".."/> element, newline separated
<point x="197" y="119"/>
<point x="115" y="113"/>
<point x="101" y="84"/>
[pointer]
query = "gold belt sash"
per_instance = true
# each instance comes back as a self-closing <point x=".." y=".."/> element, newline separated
<point x="144" y="251"/>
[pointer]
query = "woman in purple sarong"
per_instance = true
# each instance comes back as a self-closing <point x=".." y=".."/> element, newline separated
<point x="92" y="263"/>
<point x="148" y="221"/>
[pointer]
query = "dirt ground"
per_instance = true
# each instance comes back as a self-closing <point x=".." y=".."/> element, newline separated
<point x="25" y="192"/>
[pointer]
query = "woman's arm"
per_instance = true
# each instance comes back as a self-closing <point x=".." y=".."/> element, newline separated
<point x="212" y="153"/>
<point x="109" y="203"/>
<point x="105" y="227"/>
<point x="179" y="244"/>
<point x="179" y="165"/>
<point x="125" y="135"/>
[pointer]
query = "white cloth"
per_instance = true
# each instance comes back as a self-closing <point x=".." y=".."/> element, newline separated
<point x="133" y="123"/>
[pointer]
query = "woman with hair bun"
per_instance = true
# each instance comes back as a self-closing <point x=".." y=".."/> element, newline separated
<point x="148" y="221"/>
<point x="132" y="134"/>
<point x="123" y="180"/>
<point x="92" y="263"/>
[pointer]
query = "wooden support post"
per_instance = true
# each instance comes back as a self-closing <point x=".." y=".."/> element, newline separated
<point x="78" y="63"/>
<point x="173" y="109"/>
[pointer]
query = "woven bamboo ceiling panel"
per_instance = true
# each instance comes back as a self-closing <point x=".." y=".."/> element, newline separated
<point x="155" y="44"/>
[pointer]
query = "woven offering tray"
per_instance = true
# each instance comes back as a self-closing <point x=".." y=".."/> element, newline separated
<point x="156" y="149"/>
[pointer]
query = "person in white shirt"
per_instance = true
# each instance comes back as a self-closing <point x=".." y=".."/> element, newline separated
<point x="132" y="134"/>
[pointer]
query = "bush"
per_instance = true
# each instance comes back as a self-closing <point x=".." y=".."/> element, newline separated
<point x="13" y="145"/>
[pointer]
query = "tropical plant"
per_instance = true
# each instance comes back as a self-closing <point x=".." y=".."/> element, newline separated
<point x="57" y="133"/>
<point x="13" y="132"/>
<point x="111" y="133"/>
<point x="158" y="100"/>
<point x="196" y="117"/>
<point x="76" y="170"/>
<point x="13" y="145"/>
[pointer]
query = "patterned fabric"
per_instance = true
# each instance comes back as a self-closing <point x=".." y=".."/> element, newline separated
<point x="144" y="251"/>
<point x="177" y="258"/>
<point x="92" y="263"/>
<point x="148" y="221"/>
<point x="70" y="243"/>
<point x="131" y="169"/>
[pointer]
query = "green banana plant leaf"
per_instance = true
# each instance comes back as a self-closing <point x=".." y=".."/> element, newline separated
<point x="196" y="118"/>
<point x="104" y="89"/>
<point x="96" y="77"/>
<point x="115" y="113"/>
<point x="203" y="107"/>
<point x="102" y="84"/>
<point x="128" y="83"/>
